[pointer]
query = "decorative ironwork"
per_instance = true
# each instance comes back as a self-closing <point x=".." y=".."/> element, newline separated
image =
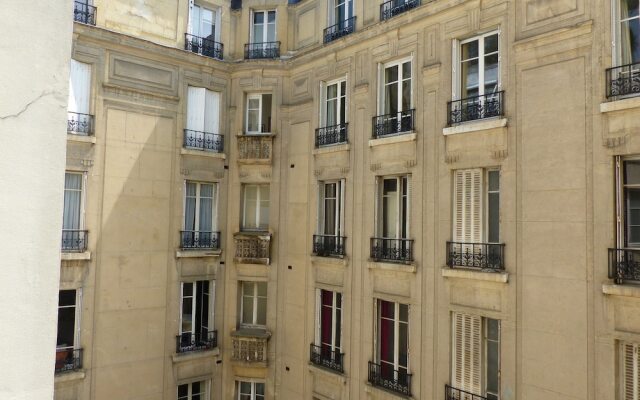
<point x="68" y="360"/>
<point x="394" y="250"/>
<point x="325" y="357"/>
<point x="329" y="135"/>
<point x="247" y="348"/>
<point x="393" y="124"/>
<point x="254" y="51"/>
<point x="254" y="147"/>
<point x="477" y="107"/>
<point x="252" y="248"/>
<point x="199" y="240"/>
<point x="203" y="46"/>
<point x="624" y="265"/>
<point x="79" y="124"/>
<point x="329" y="245"/>
<point x="199" y="341"/>
<point x="74" y="240"/>
<point x="390" y="379"/>
<point x="475" y="255"/>
<point x="392" y="8"/>
<point x="84" y="13"/>
<point x="451" y="393"/>
<point x="342" y="28"/>
<point x="623" y="80"/>
<point x="212" y="142"/>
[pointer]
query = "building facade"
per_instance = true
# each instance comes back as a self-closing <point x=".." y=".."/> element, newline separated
<point x="351" y="200"/>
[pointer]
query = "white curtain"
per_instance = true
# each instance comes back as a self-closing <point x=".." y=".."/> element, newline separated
<point x="190" y="207"/>
<point x="206" y="207"/>
<point x="72" y="201"/>
<point x="211" y="111"/>
<point x="79" y="87"/>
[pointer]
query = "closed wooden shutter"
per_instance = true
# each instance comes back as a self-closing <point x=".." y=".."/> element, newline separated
<point x="212" y="112"/>
<point x="79" y="87"/>
<point x="466" y="352"/>
<point x="631" y="371"/>
<point x="467" y="208"/>
<point x="195" y="108"/>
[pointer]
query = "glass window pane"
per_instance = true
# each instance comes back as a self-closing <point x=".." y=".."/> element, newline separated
<point x="494" y="217"/>
<point x="66" y="298"/>
<point x="491" y="43"/>
<point x="630" y="41"/>
<point x="469" y="50"/>
<point x="632" y="172"/>
<point x="262" y="311"/>
<point x="492" y="366"/>
<point x="66" y="327"/>
<point x="391" y="74"/>
<point x="493" y="329"/>
<point x="490" y="73"/>
<point x="387" y="309"/>
<point x="245" y="388"/>
<point x="262" y="289"/>
<point x="406" y="70"/>
<point x="271" y="17"/>
<point x="404" y="312"/>
<point x="494" y="181"/>
<point x="258" y="17"/>
<point x="470" y="78"/>
<point x="247" y="309"/>
<point x="183" y="391"/>
<point x="628" y="9"/>
<point x="406" y="95"/>
<point x="387" y="340"/>
<point x="403" y="344"/>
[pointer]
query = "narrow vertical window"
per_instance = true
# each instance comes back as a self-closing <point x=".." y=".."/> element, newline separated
<point x="203" y="120"/>
<point x="479" y="65"/>
<point x="73" y="235"/>
<point x="255" y="208"/>
<point x="493" y="206"/>
<point x="196" y="325"/>
<point x="253" y="304"/>
<point x="250" y="390"/>
<point x="193" y="391"/>
<point x="393" y="341"/>
<point x="327" y="349"/>
<point x="200" y="219"/>
<point x="80" y="120"/>
<point x="258" y="117"/>
<point x="68" y="352"/>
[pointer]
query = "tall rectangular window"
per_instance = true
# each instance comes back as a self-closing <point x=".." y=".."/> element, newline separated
<point x="627" y="35"/>
<point x="334" y="108"/>
<point x="628" y="202"/>
<point x="196" y="312"/>
<point x="255" y="207"/>
<point x="331" y="208"/>
<point x="393" y="207"/>
<point x="329" y="323"/>
<point x="629" y="370"/>
<point x="263" y="26"/>
<point x="476" y="210"/>
<point x="393" y="340"/>
<point x="200" y="207"/>
<point x="203" y="110"/>
<point x="396" y="88"/>
<point x="476" y="69"/>
<point x="79" y="87"/>
<point x="258" y="117"/>
<point x="73" y="234"/>
<point x="250" y="390"/>
<point x="253" y="304"/>
<point x="68" y="316"/>
<point x="340" y="11"/>
<point x="194" y="391"/>
<point x="203" y="23"/>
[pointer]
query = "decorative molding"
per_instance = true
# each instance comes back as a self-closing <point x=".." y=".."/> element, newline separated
<point x="266" y="174"/>
<point x="375" y="166"/>
<point x="87" y="163"/>
<point x="344" y="170"/>
<point x="612" y="142"/>
<point x="450" y="158"/>
<point x="499" y="154"/>
<point x="184" y="171"/>
<point x="318" y="172"/>
<point x="410" y="163"/>
<point x="218" y="174"/>
<point x="243" y="174"/>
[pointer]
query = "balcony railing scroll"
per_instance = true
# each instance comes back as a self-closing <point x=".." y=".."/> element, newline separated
<point x="255" y="147"/>
<point x="205" y="141"/>
<point x="475" y="255"/>
<point x="342" y="28"/>
<point x="330" y="135"/>
<point x="392" y="250"/>
<point x="84" y="13"/>
<point x="329" y="245"/>
<point x="79" y="123"/>
<point x="623" y="80"/>
<point x="68" y="360"/>
<point x="74" y="240"/>
<point x="250" y="345"/>
<point x="203" y="46"/>
<point x="199" y="341"/>
<point x="624" y="265"/>
<point x="451" y="393"/>
<point x="391" y="8"/>
<point x="476" y="107"/>
<point x="390" y="379"/>
<point x="195" y="240"/>
<point x="325" y="357"/>
<point x="253" y="51"/>
<point x="393" y="124"/>
<point x="253" y="248"/>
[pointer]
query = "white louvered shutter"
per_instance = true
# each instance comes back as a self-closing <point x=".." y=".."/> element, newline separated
<point x="407" y="212"/>
<point x="195" y="108"/>
<point x="455" y="61"/>
<point x="321" y="208"/>
<point x="619" y="203"/>
<point x="79" y="87"/>
<point x="214" y="211"/>
<point x="631" y="373"/>
<point x="467" y="352"/>
<point x="318" y="311"/>
<point x="467" y="209"/>
<point x="212" y="111"/>
<point x="341" y="230"/>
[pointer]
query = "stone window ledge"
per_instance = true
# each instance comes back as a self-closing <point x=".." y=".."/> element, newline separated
<point x="69" y="376"/>
<point x="619" y="105"/>
<point x="488" y="276"/>
<point x="331" y="148"/>
<point x="329" y="374"/>
<point x="197" y="253"/>
<point x="389" y="266"/>
<point x="369" y="388"/>
<point x="621" y="290"/>
<point x="202" y="153"/>
<point x="85" y="255"/>
<point x="195" y="355"/>
<point x="339" y="261"/>
<point x="475" y="126"/>
<point x="81" y="138"/>
<point x="398" y="138"/>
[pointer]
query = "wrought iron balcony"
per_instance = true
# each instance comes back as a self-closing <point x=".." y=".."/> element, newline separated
<point x="390" y="379"/>
<point x="393" y="124"/>
<point x="74" y="240"/>
<point x="253" y="248"/>
<point x="327" y="358"/>
<point x="330" y="135"/>
<point x="254" y="51"/>
<point x="474" y="108"/>
<point x="475" y="255"/>
<point x="250" y="345"/>
<point x="195" y="240"/>
<point x="79" y="124"/>
<point x="451" y="393"/>
<point x="203" y="46"/>
<point x="392" y="8"/>
<point x="623" y="80"/>
<point x="393" y="250"/>
<point x="84" y="13"/>
<point x="339" y="30"/>
<point x="329" y="245"/>
<point x="205" y="141"/>
<point x="199" y="341"/>
<point x="624" y="265"/>
<point x="68" y="360"/>
<point x="255" y="147"/>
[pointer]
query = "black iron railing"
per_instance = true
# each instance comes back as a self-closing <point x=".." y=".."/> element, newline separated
<point x="261" y="50"/>
<point x="477" y="107"/>
<point x="394" y="250"/>
<point x="203" y="46"/>
<point x="199" y="341"/>
<point x="74" y="240"/>
<point x="475" y="255"/>
<point x="451" y="393"/>
<point x="325" y="357"/>
<point x="83" y="12"/>
<point x="392" y="8"/>
<point x="624" y="265"/>
<point x="212" y="142"/>
<point x="390" y="379"/>
<point x="393" y="124"/>
<point x="329" y="245"/>
<point x="79" y="124"/>
<point x="68" y="360"/>
<point x="339" y="30"/>
<point x="623" y="80"/>
<point x="329" y="135"/>
<point x="199" y="240"/>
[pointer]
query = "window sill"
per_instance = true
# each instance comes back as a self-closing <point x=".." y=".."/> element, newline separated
<point x="71" y="137"/>
<point x="398" y="138"/>
<point x="619" y="105"/>
<point x="198" y="253"/>
<point x="333" y="148"/>
<point x="85" y="255"/>
<point x="342" y="261"/>
<point x="621" y="290"/>
<point x="202" y="153"/>
<point x="475" y="126"/>
<point x="263" y="134"/>
<point x="254" y="333"/>
<point x="313" y="368"/>
<point x="69" y="376"/>
<point x="409" y="267"/>
<point x="195" y="355"/>
<point x="488" y="276"/>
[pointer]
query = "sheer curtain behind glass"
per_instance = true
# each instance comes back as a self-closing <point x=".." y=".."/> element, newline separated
<point x="629" y="32"/>
<point x="72" y="201"/>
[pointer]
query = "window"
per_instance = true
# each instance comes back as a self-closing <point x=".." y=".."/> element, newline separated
<point x="253" y="305"/>
<point x="334" y="106"/>
<point x="331" y="208"/>
<point x="194" y="391"/>
<point x="627" y="35"/>
<point x="203" y="22"/>
<point x="255" y="211"/>
<point x="68" y="352"/>
<point x="263" y="26"/>
<point x="203" y="119"/>
<point x="196" y="313"/>
<point x="393" y="341"/>
<point x="629" y="359"/>
<point x="340" y="11"/>
<point x="73" y="235"/>
<point x="628" y="202"/>
<point x="396" y="88"/>
<point x="250" y="390"/>
<point x="258" y="114"/>
<point x="469" y="211"/>
<point x="329" y="323"/>
<point x="393" y="207"/>
<point x="475" y="355"/>
<point x="478" y="66"/>
<point x="79" y="120"/>
<point x="200" y="216"/>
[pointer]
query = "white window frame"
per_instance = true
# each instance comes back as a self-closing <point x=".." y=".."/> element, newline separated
<point x="216" y="19"/>
<point x="210" y="110"/>
<point x="214" y="205"/>
<point x="254" y="299"/>
<point x="622" y="209"/>
<point x="77" y="319"/>
<point x="634" y="385"/>
<point x="402" y="213"/>
<point x="324" y="87"/>
<point x="253" y="393"/>
<point x="333" y="5"/>
<point x="396" y="336"/>
<point x="260" y="98"/>
<point x="259" y="200"/>
<point x="340" y="206"/>
<point x="265" y="34"/>
<point x="616" y="22"/>
<point x="382" y="89"/>
<point x="335" y="333"/>
<point x="205" y="383"/>
<point x="194" y="295"/>
<point x="83" y="193"/>
<point x="456" y="90"/>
